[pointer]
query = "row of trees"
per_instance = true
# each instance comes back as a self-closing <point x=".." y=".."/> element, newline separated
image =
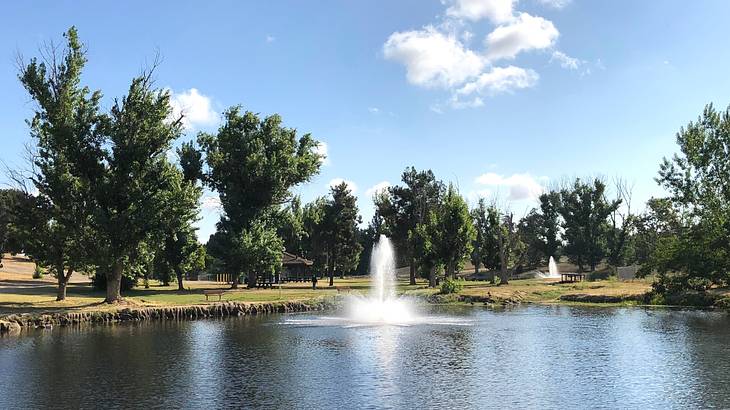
<point x="100" y="196"/>
<point x="107" y="201"/>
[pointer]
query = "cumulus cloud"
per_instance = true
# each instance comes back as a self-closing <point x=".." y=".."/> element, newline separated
<point x="556" y="4"/>
<point x="374" y="110"/>
<point x="500" y="80"/>
<point x="565" y="60"/>
<point x="519" y="186"/>
<point x="497" y="11"/>
<point x="337" y="181"/>
<point x="322" y="150"/>
<point x="525" y="33"/>
<point x="377" y="188"/>
<point x="210" y="202"/>
<point x="433" y="58"/>
<point x="441" y="56"/>
<point x="196" y="108"/>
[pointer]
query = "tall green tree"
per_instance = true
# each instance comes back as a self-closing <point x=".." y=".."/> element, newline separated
<point x="65" y="128"/>
<point x="550" y="224"/>
<point x="139" y="195"/>
<point x="340" y="228"/>
<point x="291" y="226"/>
<point x="485" y="245"/>
<point x="585" y="210"/>
<point x="512" y="249"/>
<point x="698" y="180"/>
<point x="405" y="206"/>
<point x="253" y="163"/>
<point x="458" y="231"/>
<point x="314" y="244"/>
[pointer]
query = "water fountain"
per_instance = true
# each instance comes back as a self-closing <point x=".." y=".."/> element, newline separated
<point x="381" y="305"/>
<point x="553" y="272"/>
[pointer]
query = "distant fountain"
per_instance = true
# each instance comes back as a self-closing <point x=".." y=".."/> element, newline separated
<point x="553" y="272"/>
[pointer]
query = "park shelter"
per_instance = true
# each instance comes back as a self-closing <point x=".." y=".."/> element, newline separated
<point x="295" y="268"/>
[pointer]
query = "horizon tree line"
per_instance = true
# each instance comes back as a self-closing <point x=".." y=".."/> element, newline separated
<point x="100" y="196"/>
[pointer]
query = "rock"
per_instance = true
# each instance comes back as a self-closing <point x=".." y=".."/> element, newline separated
<point x="9" y="327"/>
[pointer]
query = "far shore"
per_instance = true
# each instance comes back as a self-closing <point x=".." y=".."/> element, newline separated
<point x="20" y="294"/>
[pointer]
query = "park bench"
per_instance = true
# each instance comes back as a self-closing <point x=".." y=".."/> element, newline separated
<point x="571" y="277"/>
<point x="213" y="292"/>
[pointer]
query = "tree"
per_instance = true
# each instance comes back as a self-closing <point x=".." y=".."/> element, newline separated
<point x="621" y="224"/>
<point x="512" y="250"/>
<point x="486" y="248"/>
<point x="252" y="164"/>
<point x="550" y="224"/>
<point x="426" y="237"/>
<point x="65" y="127"/>
<point x="139" y="194"/>
<point x="698" y="180"/>
<point x="12" y="204"/>
<point x="585" y="211"/>
<point x="458" y="231"/>
<point x="404" y="207"/>
<point x="314" y="244"/>
<point x="340" y="228"/>
<point x="291" y="226"/>
<point x="531" y="234"/>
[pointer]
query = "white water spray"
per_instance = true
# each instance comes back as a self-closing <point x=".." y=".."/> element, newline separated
<point x="553" y="272"/>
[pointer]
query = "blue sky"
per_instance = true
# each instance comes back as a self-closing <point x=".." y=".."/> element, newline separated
<point x="500" y="97"/>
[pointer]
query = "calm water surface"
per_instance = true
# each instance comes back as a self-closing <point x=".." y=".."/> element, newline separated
<point x="532" y="357"/>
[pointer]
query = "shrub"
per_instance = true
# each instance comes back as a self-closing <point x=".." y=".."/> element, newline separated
<point x="38" y="272"/>
<point x="449" y="286"/>
<point x="602" y="274"/>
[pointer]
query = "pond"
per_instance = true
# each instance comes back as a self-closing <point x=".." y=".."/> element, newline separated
<point x="535" y="357"/>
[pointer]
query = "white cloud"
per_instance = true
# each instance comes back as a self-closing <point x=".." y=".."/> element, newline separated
<point x="270" y="38"/>
<point x="500" y="80"/>
<point x="497" y="11"/>
<point x="380" y="186"/>
<point x="337" y="181"/>
<point x="565" y="60"/>
<point x="210" y="202"/>
<point x="432" y="58"/>
<point x="475" y="195"/>
<point x="322" y="150"/>
<point x="525" y="33"/>
<point x="556" y="4"/>
<point x="520" y="186"/>
<point x="196" y="108"/>
<point x="374" y="110"/>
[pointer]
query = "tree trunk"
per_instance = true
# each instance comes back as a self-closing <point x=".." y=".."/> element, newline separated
<point x="114" y="283"/>
<point x="251" y="280"/>
<point x="62" y="282"/>
<point x="331" y="269"/>
<point x="180" y="285"/>
<point x="491" y="276"/>
<point x="412" y="270"/>
<point x="432" y="277"/>
<point x="234" y="280"/>
<point x="503" y="276"/>
<point x="476" y="268"/>
<point x="450" y="270"/>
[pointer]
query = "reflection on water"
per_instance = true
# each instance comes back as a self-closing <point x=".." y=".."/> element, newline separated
<point x="544" y="357"/>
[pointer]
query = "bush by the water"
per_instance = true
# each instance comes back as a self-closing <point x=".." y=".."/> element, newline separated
<point x="449" y="286"/>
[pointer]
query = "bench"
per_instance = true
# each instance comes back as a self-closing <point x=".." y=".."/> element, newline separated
<point x="571" y="277"/>
<point x="345" y="289"/>
<point x="213" y="292"/>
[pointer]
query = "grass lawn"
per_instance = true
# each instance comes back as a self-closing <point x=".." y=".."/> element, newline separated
<point x="20" y="293"/>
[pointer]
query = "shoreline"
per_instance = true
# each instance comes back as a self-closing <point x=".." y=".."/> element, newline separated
<point x="16" y="322"/>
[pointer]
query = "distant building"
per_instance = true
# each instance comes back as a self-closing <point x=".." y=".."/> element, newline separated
<point x="295" y="268"/>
